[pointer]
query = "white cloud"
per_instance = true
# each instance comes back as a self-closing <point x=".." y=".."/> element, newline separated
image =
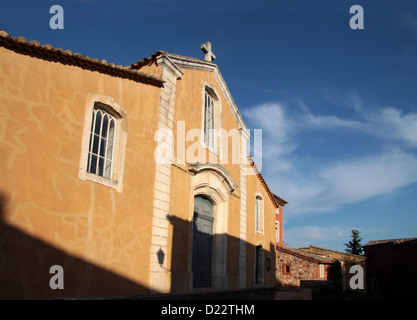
<point x="386" y="122"/>
<point x="276" y="128"/>
<point x="403" y="127"/>
<point x="272" y="118"/>
<point x="334" y="185"/>
<point x="364" y="178"/>
<point x="329" y="185"/>
<point x="310" y="121"/>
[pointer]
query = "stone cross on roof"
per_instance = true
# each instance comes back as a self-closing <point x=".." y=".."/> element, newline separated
<point x="206" y="47"/>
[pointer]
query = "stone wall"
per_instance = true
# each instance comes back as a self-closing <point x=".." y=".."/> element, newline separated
<point x="300" y="269"/>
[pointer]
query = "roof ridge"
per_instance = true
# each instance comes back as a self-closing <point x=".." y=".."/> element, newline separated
<point x="336" y="251"/>
<point x="305" y="254"/>
<point x="145" y="60"/>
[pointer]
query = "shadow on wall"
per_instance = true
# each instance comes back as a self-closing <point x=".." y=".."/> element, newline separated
<point x="25" y="263"/>
<point x="216" y="266"/>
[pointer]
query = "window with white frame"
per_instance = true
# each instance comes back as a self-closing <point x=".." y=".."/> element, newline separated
<point x="259" y="214"/>
<point x="101" y="146"/>
<point x="321" y="270"/>
<point x="209" y="121"/>
<point x="104" y="142"/>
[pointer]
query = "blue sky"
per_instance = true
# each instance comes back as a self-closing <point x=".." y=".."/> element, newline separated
<point x="337" y="106"/>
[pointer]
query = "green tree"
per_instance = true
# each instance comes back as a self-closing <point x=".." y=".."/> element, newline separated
<point x="354" y="246"/>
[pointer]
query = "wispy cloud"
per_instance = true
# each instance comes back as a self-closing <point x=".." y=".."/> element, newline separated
<point x="327" y="186"/>
<point x="310" y="121"/>
<point x="393" y="123"/>
<point x="364" y="178"/>
<point x="348" y="182"/>
<point x="277" y="131"/>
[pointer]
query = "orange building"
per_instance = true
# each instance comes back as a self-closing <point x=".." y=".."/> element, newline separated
<point x="134" y="179"/>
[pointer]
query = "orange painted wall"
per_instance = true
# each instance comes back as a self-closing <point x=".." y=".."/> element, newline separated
<point x="97" y="232"/>
<point x="267" y="238"/>
<point x="189" y="100"/>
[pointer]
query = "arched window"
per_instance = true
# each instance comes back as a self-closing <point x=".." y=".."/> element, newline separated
<point x="103" y="146"/>
<point x="209" y="132"/>
<point x="100" y="151"/>
<point x="259" y="214"/>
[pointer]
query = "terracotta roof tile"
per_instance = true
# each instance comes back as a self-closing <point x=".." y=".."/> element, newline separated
<point x="275" y="199"/>
<point x="146" y="60"/>
<point x="48" y="52"/>
<point x="305" y="255"/>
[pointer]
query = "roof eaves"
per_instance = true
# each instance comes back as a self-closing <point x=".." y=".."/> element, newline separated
<point x="335" y="251"/>
<point x="389" y="241"/>
<point x="304" y="255"/>
<point x="281" y="201"/>
<point x="263" y="182"/>
<point x="48" y="52"/>
<point x="140" y="63"/>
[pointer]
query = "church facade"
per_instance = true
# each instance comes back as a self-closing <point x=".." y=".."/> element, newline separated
<point x="133" y="180"/>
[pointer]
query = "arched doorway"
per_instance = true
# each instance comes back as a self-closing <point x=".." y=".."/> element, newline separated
<point x="214" y="184"/>
<point x="202" y="242"/>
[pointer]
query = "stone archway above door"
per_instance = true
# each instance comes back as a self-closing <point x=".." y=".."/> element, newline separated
<point x="224" y="176"/>
<point x="216" y="184"/>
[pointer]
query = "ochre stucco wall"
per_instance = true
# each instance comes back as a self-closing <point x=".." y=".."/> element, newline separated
<point x="189" y="107"/>
<point x="266" y="238"/>
<point x="280" y="218"/>
<point x="45" y="206"/>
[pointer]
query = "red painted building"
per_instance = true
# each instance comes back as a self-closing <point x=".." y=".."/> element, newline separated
<point x="279" y="224"/>
<point x="392" y="268"/>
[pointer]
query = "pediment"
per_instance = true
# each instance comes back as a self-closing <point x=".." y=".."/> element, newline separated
<point x="207" y="66"/>
<point x="198" y="167"/>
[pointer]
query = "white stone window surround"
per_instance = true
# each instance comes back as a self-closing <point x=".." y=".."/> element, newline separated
<point x="321" y="271"/>
<point x="106" y="105"/>
<point x="259" y="213"/>
<point x="216" y="139"/>
<point x="209" y="133"/>
<point x="102" y="137"/>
